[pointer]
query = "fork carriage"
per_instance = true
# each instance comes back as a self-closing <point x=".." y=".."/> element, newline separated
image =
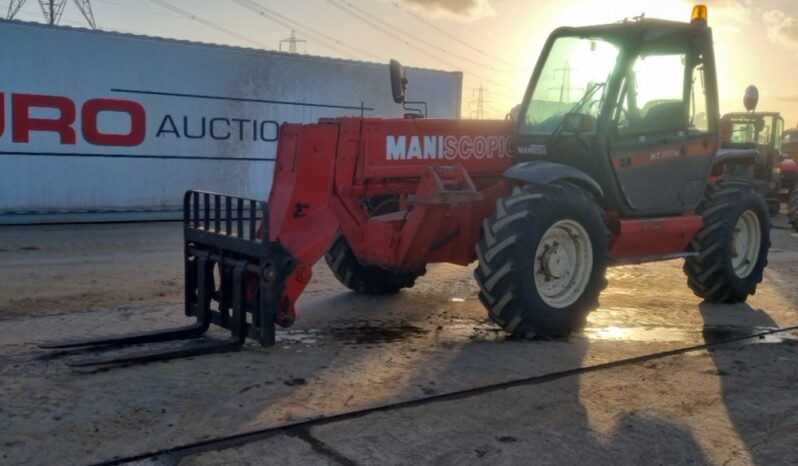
<point x="234" y="278"/>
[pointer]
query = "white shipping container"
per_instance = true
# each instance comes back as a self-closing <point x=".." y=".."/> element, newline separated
<point x="106" y="126"/>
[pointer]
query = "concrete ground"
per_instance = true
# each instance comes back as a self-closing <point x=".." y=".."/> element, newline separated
<point x="587" y="400"/>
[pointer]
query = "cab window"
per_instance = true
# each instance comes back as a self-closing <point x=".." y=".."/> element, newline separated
<point x="699" y="122"/>
<point x="653" y="97"/>
<point x="573" y="79"/>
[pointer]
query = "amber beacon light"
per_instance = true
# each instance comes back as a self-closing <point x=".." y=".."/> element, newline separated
<point x="700" y="14"/>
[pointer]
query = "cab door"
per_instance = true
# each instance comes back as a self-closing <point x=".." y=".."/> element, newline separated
<point x="661" y="145"/>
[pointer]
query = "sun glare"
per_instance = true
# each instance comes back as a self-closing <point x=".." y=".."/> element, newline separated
<point x="610" y="333"/>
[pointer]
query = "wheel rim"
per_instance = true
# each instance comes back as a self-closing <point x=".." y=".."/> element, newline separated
<point x="746" y="240"/>
<point x="563" y="263"/>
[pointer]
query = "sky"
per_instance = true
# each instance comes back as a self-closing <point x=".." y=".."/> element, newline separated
<point x="495" y="43"/>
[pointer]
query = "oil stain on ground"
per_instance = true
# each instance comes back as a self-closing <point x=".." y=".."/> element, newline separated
<point x="356" y="334"/>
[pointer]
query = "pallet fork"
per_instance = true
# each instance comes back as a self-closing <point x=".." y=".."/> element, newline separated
<point x="229" y="261"/>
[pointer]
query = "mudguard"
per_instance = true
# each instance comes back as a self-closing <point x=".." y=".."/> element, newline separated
<point x="736" y="155"/>
<point x="540" y="172"/>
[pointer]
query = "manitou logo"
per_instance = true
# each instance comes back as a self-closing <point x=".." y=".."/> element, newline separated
<point x="23" y="123"/>
<point x="446" y="147"/>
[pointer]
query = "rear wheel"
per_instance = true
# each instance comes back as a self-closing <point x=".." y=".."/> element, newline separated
<point x="792" y="208"/>
<point x="542" y="259"/>
<point x="732" y="245"/>
<point x="365" y="279"/>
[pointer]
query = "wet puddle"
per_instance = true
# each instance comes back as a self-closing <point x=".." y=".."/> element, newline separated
<point x="465" y="331"/>
<point x="720" y="334"/>
<point x="706" y="334"/>
<point x="368" y="334"/>
<point x="359" y="334"/>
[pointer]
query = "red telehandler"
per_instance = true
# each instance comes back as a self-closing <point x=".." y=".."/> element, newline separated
<point x="614" y="159"/>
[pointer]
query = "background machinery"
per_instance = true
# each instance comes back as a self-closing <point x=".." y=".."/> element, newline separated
<point x="613" y="165"/>
<point x="760" y="131"/>
<point x="789" y="174"/>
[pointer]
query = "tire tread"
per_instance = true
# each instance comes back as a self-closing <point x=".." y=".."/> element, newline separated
<point x="362" y="278"/>
<point x="709" y="273"/>
<point x="502" y="273"/>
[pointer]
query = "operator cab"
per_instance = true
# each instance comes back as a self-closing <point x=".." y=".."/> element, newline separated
<point x="633" y="105"/>
<point x="760" y="134"/>
<point x="752" y="130"/>
<point x="790" y="143"/>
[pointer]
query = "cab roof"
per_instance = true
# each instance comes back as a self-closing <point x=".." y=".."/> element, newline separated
<point x="751" y="115"/>
<point x="631" y="26"/>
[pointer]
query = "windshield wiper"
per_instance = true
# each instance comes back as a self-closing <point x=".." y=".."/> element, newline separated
<point x="558" y="129"/>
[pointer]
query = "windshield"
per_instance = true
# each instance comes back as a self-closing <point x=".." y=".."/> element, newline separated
<point x="751" y="130"/>
<point x="573" y="79"/>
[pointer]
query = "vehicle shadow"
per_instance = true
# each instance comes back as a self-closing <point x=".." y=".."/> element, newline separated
<point x="757" y="377"/>
<point x="565" y="419"/>
<point x="552" y="418"/>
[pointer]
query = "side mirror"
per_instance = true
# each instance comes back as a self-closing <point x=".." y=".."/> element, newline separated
<point x="577" y="123"/>
<point x="751" y="98"/>
<point x="398" y="81"/>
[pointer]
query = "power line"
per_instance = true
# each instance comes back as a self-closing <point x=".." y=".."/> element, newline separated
<point x="401" y="39"/>
<point x="318" y="36"/>
<point x="287" y="22"/>
<point x="32" y="14"/>
<point x="53" y="10"/>
<point x="389" y="33"/>
<point x="181" y="17"/>
<point x="143" y="10"/>
<point x="79" y="24"/>
<point x="476" y="33"/>
<point x="455" y="38"/>
<point x="207" y="23"/>
<point x="418" y="39"/>
<point x="499" y="93"/>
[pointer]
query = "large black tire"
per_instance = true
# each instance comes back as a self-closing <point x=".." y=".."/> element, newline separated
<point x="724" y="271"/>
<point x="792" y="208"/>
<point x="365" y="279"/>
<point x="520" y="268"/>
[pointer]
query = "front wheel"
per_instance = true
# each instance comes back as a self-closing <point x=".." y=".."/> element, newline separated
<point x="542" y="260"/>
<point x="731" y="248"/>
